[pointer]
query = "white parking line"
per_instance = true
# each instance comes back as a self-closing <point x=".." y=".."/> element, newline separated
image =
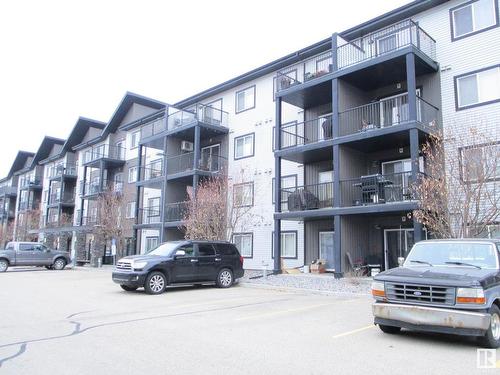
<point x="353" y="331"/>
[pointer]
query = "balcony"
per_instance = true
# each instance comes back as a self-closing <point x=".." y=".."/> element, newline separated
<point x="107" y="154"/>
<point x="149" y="215"/>
<point x="387" y="117"/>
<point x="93" y="189"/>
<point x="25" y="206"/>
<point x="304" y="142"/>
<point x="183" y="165"/>
<point x="86" y="220"/>
<point x="7" y="214"/>
<point x="151" y="172"/>
<point x="67" y="170"/>
<point x="31" y="183"/>
<point x="175" y="212"/>
<point x="378" y="191"/>
<point x="67" y="199"/>
<point x="308" y="200"/>
<point x="8" y="191"/>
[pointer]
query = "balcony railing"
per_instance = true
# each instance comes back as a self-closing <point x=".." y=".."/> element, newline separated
<point x="8" y="190"/>
<point x="25" y="205"/>
<point x="104" y="151"/>
<point x="308" y="197"/>
<point x="153" y="128"/>
<point x="94" y="187"/>
<point x="305" y="71"/>
<point x="299" y="134"/>
<point x="68" y="169"/>
<point x="31" y="181"/>
<point x="176" y="211"/>
<point x="203" y="113"/>
<point x="149" y="215"/>
<point x="151" y="171"/>
<point x="385" y="113"/>
<point x="68" y="197"/>
<point x="185" y="163"/>
<point x="376" y="189"/>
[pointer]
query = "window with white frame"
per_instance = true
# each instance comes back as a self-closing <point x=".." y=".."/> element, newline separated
<point x="244" y="244"/>
<point x="480" y="163"/>
<point x="130" y="214"/>
<point x="479" y="87"/>
<point x="288" y="244"/>
<point x="151" y="243"/>
<point x="132" y="174"/>
<point x="136" y="137"/>
<point x="244" y="146"/>
<point x="243" y="194"/>
<point x="245" y="99"/>
<point x="472" y="17"/>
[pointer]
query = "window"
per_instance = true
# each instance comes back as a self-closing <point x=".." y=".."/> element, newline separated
<point x="136" y="137"/>
<point x="245" y="99"/>
<point x="130" y="210"/>
<point x="243" y="194"/>
<point x="473" y="17"/>
<point x="225" y="249"/>
<point x="120" y="150"/>
<point x="288" y="244"/>
<point x="189" y="249"/>
<point x="244" y="243"/>
<point x="244" y="146"/>
<point x="151" y="243"/>
<point x="288" y="186"/>
<point x="478" y="88"/>
<point x="205" y="250"/>
<point x="26" y="247"/>
<point x="132" y="174"/>
<point x="480" y="163"/>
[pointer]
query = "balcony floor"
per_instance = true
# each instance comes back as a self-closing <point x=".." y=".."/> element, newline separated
<point x="309" y="153"/>
<point x="186" y="132"/>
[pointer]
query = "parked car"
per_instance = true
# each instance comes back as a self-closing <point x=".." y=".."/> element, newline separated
<point x="180" y="262"/>
<point x="446" y="286"/>
<point x="32" y="254"/>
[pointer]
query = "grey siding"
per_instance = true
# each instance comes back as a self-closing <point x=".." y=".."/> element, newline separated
<point x="311" y="238"/>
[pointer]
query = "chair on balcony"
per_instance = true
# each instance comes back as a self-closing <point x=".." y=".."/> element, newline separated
<point x="301" y="200"/>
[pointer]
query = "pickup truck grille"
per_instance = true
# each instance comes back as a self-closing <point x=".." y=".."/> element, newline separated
<point x="414" y="293"/>
<point x="124" y="266"/>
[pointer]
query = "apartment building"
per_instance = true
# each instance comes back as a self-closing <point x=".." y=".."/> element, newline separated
<point x="322" y="145"/>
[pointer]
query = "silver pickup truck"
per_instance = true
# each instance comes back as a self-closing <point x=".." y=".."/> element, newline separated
<point x="447" y="286"/>
<point x="32" y="254"/>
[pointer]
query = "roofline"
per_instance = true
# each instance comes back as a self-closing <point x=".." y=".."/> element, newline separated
<point x="390" y="17"/>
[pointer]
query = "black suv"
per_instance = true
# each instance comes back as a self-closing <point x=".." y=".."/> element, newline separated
<point x="180" y="262"/>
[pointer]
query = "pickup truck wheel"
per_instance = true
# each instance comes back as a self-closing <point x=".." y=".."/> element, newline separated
<point x="492" y="337"/>
<point x="3" y="265"/>
<point x="156" y="283"/>
<point x="389" y="329"/>
<point x="128" y="288"/>
<point x="59" y="264"/>
<point x="225" y="278"/>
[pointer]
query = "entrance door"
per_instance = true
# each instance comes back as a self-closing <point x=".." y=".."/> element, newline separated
<point x="397" y="243"/>
<point x="210" y="158"/>
<point x="326" y="248"/>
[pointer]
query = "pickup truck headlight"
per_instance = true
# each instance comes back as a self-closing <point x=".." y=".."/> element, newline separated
<point x="471" y="295"/>
<point x="139" y="265"/>
<point x="378" y="289"/>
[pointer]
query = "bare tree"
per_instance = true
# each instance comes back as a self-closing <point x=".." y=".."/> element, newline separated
<point x="219" y="207"/>
<point x="459" y="193"/>
<point x="28" y="221"/>
<point x="6" y="234"/>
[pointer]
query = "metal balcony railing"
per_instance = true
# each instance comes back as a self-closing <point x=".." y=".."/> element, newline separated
<point x="8" y="190"/>
<point x="311" y="131"/>
<point x="31" y="181"/>
<point x="376" y="189"/>
<point x="151" y="171"/>
<point x="176" y="211"/>
<point x="203" y="113"/>
<point x="149" y="215"/>
<point x="67" y="197"/>
<point x="385" y="113"/>
<point x="383" y="41"/>
<point x="307" y="197"/>
<point x="67" y="169"/>
<point x="185" y="163"/>
<point x="104" y="151"/>
<point x="153" y="128"/>
<point x="94" y="187"/>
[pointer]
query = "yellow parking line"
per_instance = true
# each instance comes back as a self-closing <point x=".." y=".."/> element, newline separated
<point x="353" y="331"/>
<point x="284" y="311"/>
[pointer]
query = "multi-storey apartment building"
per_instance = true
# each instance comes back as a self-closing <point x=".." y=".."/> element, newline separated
<point x="322" y="145"/>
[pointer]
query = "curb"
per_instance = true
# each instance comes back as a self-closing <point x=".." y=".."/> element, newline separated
<point x="301" y="290"/>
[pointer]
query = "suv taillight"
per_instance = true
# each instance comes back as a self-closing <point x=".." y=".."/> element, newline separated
<point x="241" y="260"/>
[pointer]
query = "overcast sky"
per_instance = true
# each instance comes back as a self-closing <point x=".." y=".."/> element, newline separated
<point x="64" y="59"/>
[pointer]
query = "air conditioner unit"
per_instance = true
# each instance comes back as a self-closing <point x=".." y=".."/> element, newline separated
<point x="186" y="146"/>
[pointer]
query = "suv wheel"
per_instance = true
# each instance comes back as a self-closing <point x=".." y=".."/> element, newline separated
<point x="389" y="329"/>
<point x="128" y="288"/>
<point x="3" y="265"/>
<point x="225" y="278"/>
<point x="156" y="283"/>
<point x="59" y="264"/>
<point x="492" y="337"/>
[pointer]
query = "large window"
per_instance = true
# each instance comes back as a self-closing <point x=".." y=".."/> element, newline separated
<point x="244" y="146"/>
<point x="136" y="137"/>
<point x="477" y="88"/>
<point x="473" y="17"/>
<point x="288" y="244"/>
<point x="244" y="243"/>
<point x="130" y="214"/>
<point x="132" y="174"/>
<point x="243" y="194"/>
<point x="480" y="163"/>
<point x="151" y="243"/>
<point x="245" y="99"/>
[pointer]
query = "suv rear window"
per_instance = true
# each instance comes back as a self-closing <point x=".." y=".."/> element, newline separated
<point x="226" y="249"/>
<point x="205" y="250"/>
<point x="10" y="246"/>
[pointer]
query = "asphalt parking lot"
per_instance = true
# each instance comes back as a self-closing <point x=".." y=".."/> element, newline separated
<point x="79" y="322"/>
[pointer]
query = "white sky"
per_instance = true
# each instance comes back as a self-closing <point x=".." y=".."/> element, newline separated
<point x="64" y="59"/>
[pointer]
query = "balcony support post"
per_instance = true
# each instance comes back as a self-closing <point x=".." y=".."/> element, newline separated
<point x="101" y="175"/>
<point x="196" y="157"/>
<point x="277" y="189"/>
<point x="335" y="66"/>
<point x="411" y="81"/>
<point x="335" y="108"/>
<point x="337" y="245"/>
<point x="82" y="193"/>
<point x="137" y="199"/>
<point x="163" y="191"/>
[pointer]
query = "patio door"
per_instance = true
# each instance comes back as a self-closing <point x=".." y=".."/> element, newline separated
<point x="325" y="188"/>
<point x="210" y="158"/>
<point x="326" y="248"/>
<point x="394" y="109"/>
<point x="397" y="243"/>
